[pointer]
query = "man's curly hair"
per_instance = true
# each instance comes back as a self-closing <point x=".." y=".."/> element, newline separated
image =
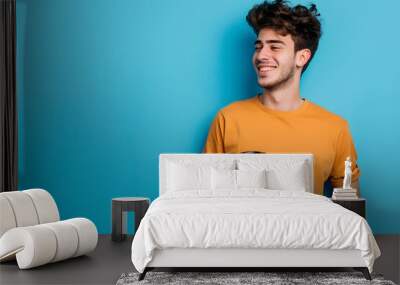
<point x="298" y="21"/>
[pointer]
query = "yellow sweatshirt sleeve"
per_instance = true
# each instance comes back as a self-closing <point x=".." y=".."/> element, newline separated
<point x="215" y="138"/>
<point x="344" y="148"/>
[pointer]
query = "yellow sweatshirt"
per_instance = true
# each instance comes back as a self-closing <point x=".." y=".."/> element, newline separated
<point x="248" y="126"/>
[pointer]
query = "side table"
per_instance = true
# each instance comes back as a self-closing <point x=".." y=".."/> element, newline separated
<point x="120" y="207"/>
<point x="356" y="205"/>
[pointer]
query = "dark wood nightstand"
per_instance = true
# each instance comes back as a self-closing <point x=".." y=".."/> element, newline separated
<point x="120" y="207"/>
<point x="357" y="205"/>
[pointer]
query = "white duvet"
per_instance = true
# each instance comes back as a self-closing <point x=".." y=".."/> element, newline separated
<point x="251" y="218"/>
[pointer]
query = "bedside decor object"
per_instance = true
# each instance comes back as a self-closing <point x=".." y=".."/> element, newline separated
<point x="347" y="192"/>
<point x="347" y="174"/>
<point x="120" y="207"/>
<point x="31" y="231"/>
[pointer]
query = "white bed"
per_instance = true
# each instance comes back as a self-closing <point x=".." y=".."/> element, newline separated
<point x="198" y="224"/>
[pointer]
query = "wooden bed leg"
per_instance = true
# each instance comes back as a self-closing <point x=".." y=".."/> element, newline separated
<point x="364" y="271"/>
<point x="143" y="274"/>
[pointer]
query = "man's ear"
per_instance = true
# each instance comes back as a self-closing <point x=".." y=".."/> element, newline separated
<point x="302" y="57"/>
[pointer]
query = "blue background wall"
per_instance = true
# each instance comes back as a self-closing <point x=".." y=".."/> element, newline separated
<point x="104" y="86"/>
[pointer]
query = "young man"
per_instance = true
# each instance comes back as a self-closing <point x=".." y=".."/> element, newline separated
<point x="280" y="120"/>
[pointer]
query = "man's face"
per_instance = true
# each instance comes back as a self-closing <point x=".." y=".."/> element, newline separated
<point x="274" y="58"/>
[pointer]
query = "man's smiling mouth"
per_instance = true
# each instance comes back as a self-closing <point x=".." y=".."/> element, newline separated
<point x="262" y="68"/>
<point x="265" y="69"/>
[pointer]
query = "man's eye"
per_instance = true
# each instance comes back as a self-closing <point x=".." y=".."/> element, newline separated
<point x="257" y="47"/>
<point x="274" y="47"/>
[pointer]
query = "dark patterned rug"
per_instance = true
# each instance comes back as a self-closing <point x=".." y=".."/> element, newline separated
<point x="229" y="278"/>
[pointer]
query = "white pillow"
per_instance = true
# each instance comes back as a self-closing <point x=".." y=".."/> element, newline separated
<point x="188" y="177"/>
<point x="251" y="178"/>
<point x="223" y="179"/>
<point x="192" y="174"/>
<point x="281" y="174"/>
<point x="236" y="179"/>
<point x="288" y="179"/>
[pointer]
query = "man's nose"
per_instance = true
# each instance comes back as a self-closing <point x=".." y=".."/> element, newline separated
<point x="263" y="54"/>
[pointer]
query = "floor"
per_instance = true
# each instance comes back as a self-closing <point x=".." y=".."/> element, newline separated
<point x="111" y="259"/>
<point x="103" y="266"/>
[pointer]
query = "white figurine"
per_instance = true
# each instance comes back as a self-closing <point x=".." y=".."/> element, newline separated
<point x="347" y="174"/>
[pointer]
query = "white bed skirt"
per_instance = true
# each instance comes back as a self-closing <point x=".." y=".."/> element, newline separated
<point x="193" y="257"/>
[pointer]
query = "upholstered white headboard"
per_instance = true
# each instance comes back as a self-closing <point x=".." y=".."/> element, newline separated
<point x="210" y="158"/>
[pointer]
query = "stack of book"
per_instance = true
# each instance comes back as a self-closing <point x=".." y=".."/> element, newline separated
<point x="344" y="194"/>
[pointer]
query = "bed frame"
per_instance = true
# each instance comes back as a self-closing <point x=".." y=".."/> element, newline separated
<point x="247" y="259"/>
